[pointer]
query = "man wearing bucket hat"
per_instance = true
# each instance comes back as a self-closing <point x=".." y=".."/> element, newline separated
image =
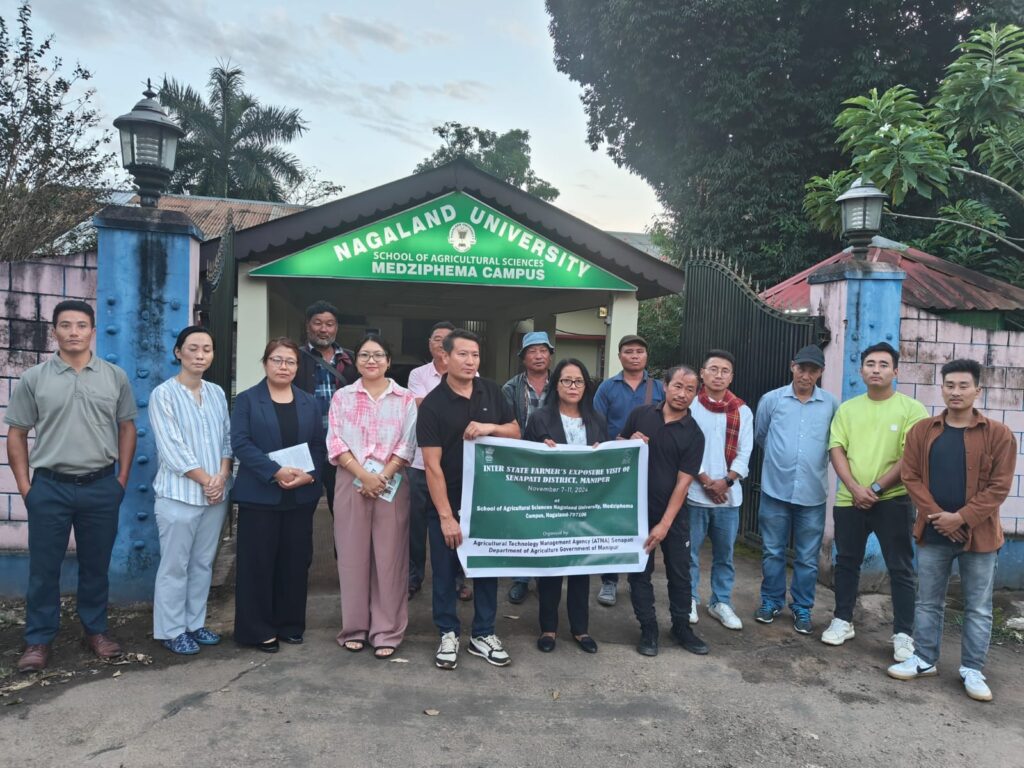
<point x="525" y="393"/>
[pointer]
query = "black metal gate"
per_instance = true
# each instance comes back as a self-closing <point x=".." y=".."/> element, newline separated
<point x="217" y="310"/>
<point x="721" y="310"/>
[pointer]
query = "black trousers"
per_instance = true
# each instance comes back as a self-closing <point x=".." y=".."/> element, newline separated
<point x="675" y="551"/>
<point x="577" y="603"/>
<point x="273" y="553"/>
<point x="419" y="497"/>
<point x="330" y="478"/>
<point x="892" y="521"/>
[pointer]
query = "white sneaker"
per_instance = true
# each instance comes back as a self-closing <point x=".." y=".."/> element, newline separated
<point x="911" y="668"/>
<point x="606" y="595"/>
<point x="974" y="684"/>
<point x="725" y="614"/>
<point x="694" y="618"/>
<point x="490" y="649"/>
<point x="838" y="632"/>
<point x="447" y="656"/>
<point x="902" y="646"/>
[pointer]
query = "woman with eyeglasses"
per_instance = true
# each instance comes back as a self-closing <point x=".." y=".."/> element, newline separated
<point x="371" y="437"/>
<point x="567" y="418"/>
<point x="275" y="500"/>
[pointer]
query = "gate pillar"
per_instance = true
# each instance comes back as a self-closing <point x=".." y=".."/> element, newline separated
<point x="860" y="301"/>
<point x="148" y="272"/>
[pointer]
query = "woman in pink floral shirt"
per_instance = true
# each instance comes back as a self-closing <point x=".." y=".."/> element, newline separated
<point x="371" y="437"/>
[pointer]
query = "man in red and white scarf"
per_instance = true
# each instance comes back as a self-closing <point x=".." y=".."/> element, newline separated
<point x="714" y="503"/>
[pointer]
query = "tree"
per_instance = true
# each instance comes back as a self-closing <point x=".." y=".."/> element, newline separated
<point x="310" y="189"/>
<point x="52" y="162"/>
<point x="506" y="156"/>
<point x="961" y="155"/>
<point x="231" y="143"/>
<point x="725" y="106"/>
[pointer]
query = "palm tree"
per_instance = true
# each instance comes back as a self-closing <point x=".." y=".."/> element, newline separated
<point x="231" y="144"/>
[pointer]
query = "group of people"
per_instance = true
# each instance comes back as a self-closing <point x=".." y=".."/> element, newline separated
<point x="391" y="461"/>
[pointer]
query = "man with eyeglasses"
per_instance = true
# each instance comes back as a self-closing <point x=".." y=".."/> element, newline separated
<point x="525" y="393"/>
<point x="713" y="502"/>
<point x="615" y="399"/>
<point x="422" y="382"/>
<point x="324" y="367"/>
<point x="462" y="407"/>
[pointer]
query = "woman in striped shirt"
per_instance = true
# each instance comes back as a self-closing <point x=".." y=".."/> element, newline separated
<point x="371" y="436"/>
<point x="190" y="422"/>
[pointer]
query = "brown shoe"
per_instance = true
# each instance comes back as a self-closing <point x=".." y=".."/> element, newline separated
<point x="103" y="645"/>
<point x="35" y="658"/>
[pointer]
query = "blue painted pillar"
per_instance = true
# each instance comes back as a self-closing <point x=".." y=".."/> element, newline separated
<point x="148" y="267"/>
<point x="862" y="300"/>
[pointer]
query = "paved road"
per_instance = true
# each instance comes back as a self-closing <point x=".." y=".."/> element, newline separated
<point x="764" y="697"/>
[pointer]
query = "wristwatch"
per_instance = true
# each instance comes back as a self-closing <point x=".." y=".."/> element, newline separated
<point x="729" y="481"/>
<point x="876" y="488"/>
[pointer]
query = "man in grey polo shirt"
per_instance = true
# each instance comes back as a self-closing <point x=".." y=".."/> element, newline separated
<point x="82" y="410"/>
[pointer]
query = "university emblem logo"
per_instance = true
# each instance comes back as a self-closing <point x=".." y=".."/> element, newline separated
<point x="462" y="237"/>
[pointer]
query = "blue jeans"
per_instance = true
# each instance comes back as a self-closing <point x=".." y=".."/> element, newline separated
<point x="777" y="518"/>
<point x="721" y="524"/>
<point x="977" y="575"/>
<point x="445" y="569"/>
<point x="54" y="508"/>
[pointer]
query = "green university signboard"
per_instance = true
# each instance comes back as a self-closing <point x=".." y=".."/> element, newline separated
<point x="453" y="239"/>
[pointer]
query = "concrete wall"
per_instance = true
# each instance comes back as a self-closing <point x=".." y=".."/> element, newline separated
<point x="926" y="342"/>
<point x="29" y="291"/>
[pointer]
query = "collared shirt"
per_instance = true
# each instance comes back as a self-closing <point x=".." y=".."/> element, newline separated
<point x="422" y="382"/>
<point x="189" y="435"/>
<point x="615" y="400"/>
<point x="794" y="436"/>
<point x="326" y="384"/>
<point x="523" y="397"/>
<point x="372" y="428"/>
<point x="75" y="414"/>
<point x="714" y="465"/>
<point x="672" y="448"/>
<point x="443" y="418"/>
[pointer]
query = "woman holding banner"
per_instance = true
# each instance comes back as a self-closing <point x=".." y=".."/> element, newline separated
<point x="371" y="436"/>
<point x="568" y="418"/>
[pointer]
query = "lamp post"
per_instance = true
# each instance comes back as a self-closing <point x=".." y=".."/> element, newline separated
<point x="149" y="142"/>
<point x="861" y="210"/>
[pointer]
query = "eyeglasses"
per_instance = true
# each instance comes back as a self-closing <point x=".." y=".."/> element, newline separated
<point x="572" y="383"/>
<point x="368" y="356"/>
<point x="283" y="362"/>
<point x="714" y="370"/>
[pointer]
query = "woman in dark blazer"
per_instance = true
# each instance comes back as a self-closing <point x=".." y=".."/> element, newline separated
<point x="567" y="418"/>
<point x="275" y="503"/>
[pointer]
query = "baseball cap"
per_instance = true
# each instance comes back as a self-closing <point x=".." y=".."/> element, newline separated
<point x="810" y="354"/>
<point x="632" y="338"/>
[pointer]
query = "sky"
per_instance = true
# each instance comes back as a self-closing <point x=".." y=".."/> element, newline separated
<point x="371" y="79"/>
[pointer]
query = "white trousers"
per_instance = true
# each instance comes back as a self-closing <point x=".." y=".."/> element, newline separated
<point x="188" y="544"/>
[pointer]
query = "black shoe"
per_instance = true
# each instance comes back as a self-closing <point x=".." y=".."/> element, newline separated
<point x="687" y="638"/>
<point x="292" y="639"/>
<point x="517" y="592"/>
<point x="271" y="646"/>
<point x="648" y="645"/>
<point x="546" y="643"/>
<point x="586" y="642"/>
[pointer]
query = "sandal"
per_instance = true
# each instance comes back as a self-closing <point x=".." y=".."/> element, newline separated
<point x="355" y="646"/>
<point x="384" y="651"/>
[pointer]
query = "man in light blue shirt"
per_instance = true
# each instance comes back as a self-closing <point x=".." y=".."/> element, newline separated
<point x="792" y="426"/>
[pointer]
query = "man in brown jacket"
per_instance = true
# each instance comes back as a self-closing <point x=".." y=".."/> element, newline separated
<point x="957" y="467"/>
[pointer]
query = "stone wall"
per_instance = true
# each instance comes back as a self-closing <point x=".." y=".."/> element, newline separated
<point x="927" y="341"/>
<point x="28" y="293"/>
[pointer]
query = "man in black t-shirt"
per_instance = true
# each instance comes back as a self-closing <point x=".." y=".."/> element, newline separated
<point x="675" y="448"/>
<point x="462" y="407"/>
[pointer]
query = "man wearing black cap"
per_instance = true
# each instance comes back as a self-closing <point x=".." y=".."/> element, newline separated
<point x="615" y="399"/>
<point x="792" y="427"/>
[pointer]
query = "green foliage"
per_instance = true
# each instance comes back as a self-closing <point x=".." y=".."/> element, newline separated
<point x="965" y="150"/>
<point x="726" y="106"/>
<point x="52" y="160"/>
<point x="659" y="322"/>
<point x="820" y="200"/>
<point x="506" y="156"/>
<point x="231" y="144"/>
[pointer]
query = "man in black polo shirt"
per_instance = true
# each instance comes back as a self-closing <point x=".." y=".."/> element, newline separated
<point x="676" y="446"/>
<point x="462" y="407"/>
